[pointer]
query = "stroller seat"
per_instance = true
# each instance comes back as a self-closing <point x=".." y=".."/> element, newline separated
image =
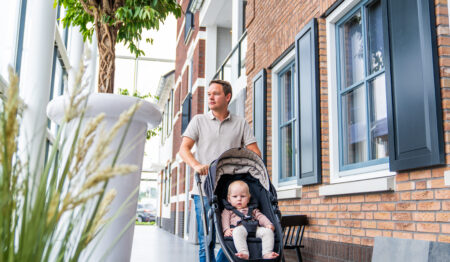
<point x="241" y="164"/>
<point x="254" y="243"/>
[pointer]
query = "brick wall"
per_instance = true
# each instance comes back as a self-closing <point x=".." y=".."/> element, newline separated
<point x="173" y="182"/>
<point x="197" y="101"/>
<point x="419" y="208"/>
<point x="182" y="180"/>
<point x="176" y="137"/>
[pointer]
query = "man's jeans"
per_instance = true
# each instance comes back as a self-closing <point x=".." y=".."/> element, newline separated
<point x="202" y="253"/>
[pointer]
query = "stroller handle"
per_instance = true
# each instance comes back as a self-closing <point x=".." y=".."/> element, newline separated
<point x="205" y="227"/>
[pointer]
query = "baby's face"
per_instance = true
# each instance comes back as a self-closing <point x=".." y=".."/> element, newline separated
<point x="238" y="197"/>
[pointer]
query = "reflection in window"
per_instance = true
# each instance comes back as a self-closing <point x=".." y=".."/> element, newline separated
<point x="362" y="103"/>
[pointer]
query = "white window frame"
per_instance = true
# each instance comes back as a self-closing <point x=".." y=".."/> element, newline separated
<point x="359" y="174"/>
<point x="289" y="189"/>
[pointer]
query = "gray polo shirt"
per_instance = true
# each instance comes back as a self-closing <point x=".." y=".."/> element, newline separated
<point x="213" y="137"/>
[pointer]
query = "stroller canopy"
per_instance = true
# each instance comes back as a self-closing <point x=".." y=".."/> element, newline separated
<point x="236" y="161"/>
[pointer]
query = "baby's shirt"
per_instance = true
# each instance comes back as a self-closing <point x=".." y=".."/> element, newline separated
<point x="230" y="218"/>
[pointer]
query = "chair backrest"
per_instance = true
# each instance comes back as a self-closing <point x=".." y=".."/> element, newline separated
<point x="293" y="229"/>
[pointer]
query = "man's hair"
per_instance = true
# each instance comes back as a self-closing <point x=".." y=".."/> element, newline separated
<point x="226" y="86"/>
<point x="239" y="183"/>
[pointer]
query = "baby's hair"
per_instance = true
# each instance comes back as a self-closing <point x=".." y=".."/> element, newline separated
<point x="241" y="183"/>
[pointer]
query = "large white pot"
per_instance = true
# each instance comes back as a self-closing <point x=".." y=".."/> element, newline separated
<point x="148" y="116"/>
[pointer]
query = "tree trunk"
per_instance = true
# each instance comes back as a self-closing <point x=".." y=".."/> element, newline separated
<point x="107" y="36"/>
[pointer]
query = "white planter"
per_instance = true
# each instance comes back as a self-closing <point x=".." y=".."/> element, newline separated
<point x="148" y="116"/>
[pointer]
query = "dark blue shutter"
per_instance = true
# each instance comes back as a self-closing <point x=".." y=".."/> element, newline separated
<point x="306" y="60"/>
<point x="185" y="112"/>
<point x="259" y="111"/>
<point x="412" y="85"/>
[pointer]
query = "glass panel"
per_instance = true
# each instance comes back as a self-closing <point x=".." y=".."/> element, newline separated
<point x="286" y="97"/>
<point x="352" y="50"/>
<point x="354" y="119"/>
<point x="235" y="65"/>
<point x="378" y="118"/>
<point x="286" y="152"/>
<point x="375" y="38"/>
<point x="124" y="75"/>
<point x="9" y="29"/>
<point x="227" y="71"/>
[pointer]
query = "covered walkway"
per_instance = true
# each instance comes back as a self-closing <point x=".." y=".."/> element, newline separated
<point x="154" y="244"/>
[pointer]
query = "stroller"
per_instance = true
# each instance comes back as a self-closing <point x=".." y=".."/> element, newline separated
<point x="239" y="164"/>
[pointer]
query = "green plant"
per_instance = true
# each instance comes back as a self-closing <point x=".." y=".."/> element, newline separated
<point x="116" y="21"/>
<point x="54" y="213"/>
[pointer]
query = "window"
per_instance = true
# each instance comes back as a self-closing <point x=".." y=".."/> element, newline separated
<point x="12" y="21"/>
<point x="363" y="134"/>
<point x="287" y="118"/>
<point x="188" y="23"/>
<point x="185" y="112"/>
<point x="383" y="92"/>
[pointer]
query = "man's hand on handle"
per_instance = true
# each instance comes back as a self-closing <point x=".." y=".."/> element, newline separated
<point x="201" y="169"/>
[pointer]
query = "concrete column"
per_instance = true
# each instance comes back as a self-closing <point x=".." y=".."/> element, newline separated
<point x="75" y="50"/>
<point x="36" y="78"/>
<point x="210" y="59"/>
<point x="236" y="21"/>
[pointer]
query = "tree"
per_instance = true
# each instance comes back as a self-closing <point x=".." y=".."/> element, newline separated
<point x="116" y="21"/>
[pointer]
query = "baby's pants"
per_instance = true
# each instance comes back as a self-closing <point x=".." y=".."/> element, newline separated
<point x="240" y="239"/>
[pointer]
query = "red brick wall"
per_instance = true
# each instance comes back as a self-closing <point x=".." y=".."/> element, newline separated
<point x="419" y="208"/>
<point x="176" y="138"/>
<point x="197" y="101"/>
<point x="184" y="84"/>
<point x="182" y="180"/>
<point x="199" y="61"/>
<point x="173" y="182"/>
<point x="182" y="47"/>
<point x="176" y="101"/>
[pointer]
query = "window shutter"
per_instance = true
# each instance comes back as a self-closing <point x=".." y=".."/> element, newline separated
<point x="412" y="85"/>
<point x="306" y="60"/>
<point x="186" y="112"/>
<point x="259" y="111"/>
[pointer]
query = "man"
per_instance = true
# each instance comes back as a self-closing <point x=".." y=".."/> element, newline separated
<point x="213" y="133"/>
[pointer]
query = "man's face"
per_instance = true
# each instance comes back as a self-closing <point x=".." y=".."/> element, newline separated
<point x="216" y="97"/>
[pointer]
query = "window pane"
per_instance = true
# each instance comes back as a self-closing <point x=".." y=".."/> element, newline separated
<point x="286" y="152"/>
<point x="378" y="118"/>
<point x="9" y="28"/>
<point x="375" y="38"/>
<point x="286" y="97"/>
<point x="354" y="119"/>
<point x="352" y="50"/>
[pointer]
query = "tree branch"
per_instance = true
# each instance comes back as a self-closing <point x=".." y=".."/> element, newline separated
<point x="86" y="7"/>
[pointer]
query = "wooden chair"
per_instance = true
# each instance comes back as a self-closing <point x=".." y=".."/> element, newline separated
<point x="293" y="229"/>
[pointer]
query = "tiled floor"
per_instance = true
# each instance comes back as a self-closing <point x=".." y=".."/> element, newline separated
<point x="154" y="244"/>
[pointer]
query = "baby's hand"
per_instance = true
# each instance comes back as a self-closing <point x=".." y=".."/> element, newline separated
<point x="228" y="232"/>
<point x="271" y="227"/>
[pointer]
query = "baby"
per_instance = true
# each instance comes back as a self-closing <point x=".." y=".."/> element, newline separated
<point x="238" y="197"/>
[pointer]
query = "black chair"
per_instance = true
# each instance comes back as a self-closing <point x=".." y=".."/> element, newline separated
<point x="293" y="229"/>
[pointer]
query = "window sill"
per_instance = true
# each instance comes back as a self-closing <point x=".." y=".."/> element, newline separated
<point x="362" y="186"/>
<point x="289" y="192"/>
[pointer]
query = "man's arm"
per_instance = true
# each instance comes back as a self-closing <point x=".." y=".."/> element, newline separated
<point x="188" y="157"/>
<point x="254" y="147"/>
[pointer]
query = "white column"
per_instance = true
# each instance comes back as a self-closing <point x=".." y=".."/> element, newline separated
<point x="236" y="21"/>
<point x="210" y="59"/>
<point x="35" y="77"/>
<point x="75" y="52"/>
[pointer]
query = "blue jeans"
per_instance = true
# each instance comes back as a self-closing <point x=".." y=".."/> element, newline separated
<point x="202" y="253"/>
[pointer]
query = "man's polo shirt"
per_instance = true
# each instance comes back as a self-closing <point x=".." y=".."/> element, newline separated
<point x="213" y="137"/>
